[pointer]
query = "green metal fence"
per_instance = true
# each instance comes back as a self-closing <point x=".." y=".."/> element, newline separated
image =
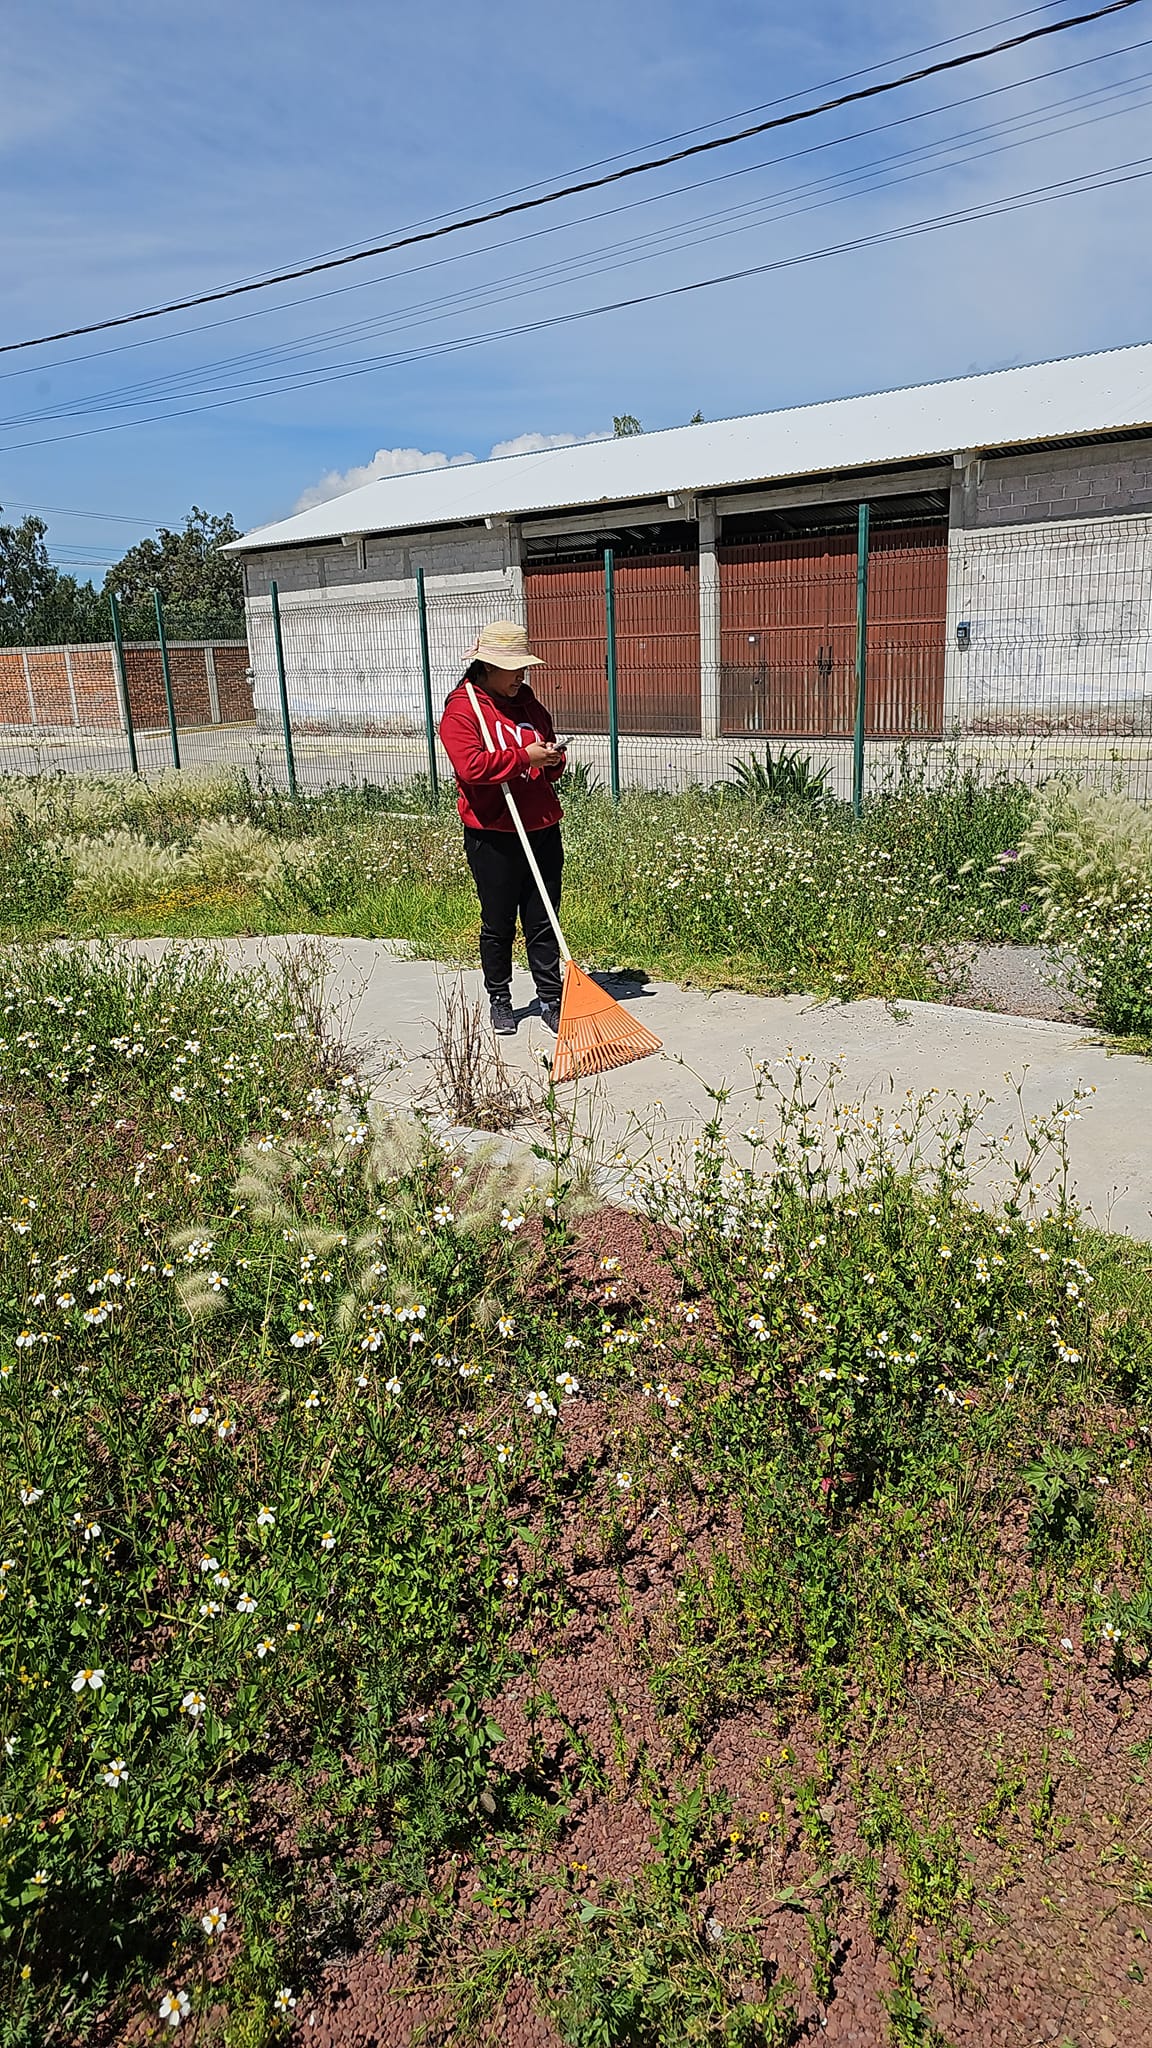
<point x="867" y="640"/>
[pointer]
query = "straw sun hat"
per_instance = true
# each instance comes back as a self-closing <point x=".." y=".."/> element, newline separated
<point x="504" y="645"/>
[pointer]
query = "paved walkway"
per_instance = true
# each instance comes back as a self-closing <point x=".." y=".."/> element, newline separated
<point x="387" y="1005"/>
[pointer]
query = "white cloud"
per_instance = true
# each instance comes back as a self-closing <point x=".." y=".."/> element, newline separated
<point x="385" y="462"/>
<point x="402" y="461"/>
<point x="532" y="444"/>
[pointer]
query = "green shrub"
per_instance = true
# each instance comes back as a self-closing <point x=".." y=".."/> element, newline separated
<point x="784" y="778"/>
<point x="35" y="884"/>
<point x="1115" y="970"/>
<point x="1064" y="1511"/>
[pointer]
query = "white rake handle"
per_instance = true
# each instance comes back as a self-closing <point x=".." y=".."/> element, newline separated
<point x="518" y="821"/>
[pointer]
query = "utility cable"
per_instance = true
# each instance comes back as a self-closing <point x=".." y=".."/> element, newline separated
<point x="664" y="141"/>
<point x="1115" y="175"/>
<point x="866" y="92"/>
<point x="70" y="512"/>
<point x="287" y="359"/>
<point x="583" y="220"/>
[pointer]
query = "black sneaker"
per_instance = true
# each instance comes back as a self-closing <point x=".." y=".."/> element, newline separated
<point x="550" y="1015"/>
<point x="503" y="1017"/>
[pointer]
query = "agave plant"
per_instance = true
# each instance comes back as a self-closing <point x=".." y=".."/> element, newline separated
<point x="579" y="780"/>
<point x="785" y="778"/>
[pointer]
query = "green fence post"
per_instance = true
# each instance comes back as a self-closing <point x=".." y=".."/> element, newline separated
<point x="426" y="672"/>
<point x="167" y="679"/>
<point x="610" y="665"/>
<point x="861" y="659"/>
<point x="285" y="719"/>
<point x="122" y="681"/>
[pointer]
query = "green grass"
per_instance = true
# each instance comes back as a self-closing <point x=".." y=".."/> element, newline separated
<point x="718" y="888"/>
<point x="259" y="1345"/>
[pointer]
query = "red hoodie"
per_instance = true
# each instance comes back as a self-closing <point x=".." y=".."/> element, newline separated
<point x="513" y="723"/>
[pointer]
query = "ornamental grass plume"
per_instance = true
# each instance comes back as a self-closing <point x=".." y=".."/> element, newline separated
<point x="492" y="1183"/>
<point x="1091" y="853"/>
<point x="231" y="852"/>
<point x="118" y="869"/>
<point x="268" y="1168"/>
<point x="395" y="1146"/>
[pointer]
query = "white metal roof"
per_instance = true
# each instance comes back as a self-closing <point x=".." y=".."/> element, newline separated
<point x="1044" y="401"/>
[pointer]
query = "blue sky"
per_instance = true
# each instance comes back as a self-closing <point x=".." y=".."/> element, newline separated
<point x="150" y="152"/>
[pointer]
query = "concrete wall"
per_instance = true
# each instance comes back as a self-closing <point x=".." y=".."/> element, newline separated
<point x="1060" y="618"/>
<point x="1055" y="483"/>
<point x="351" y="631"/>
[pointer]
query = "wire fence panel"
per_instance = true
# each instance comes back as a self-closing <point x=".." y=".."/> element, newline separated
<point x="1014" y="650"/>
<point x="1049" y="666"/>
<point x="658" y="643"/>
<point x="564" y="602"/>
<point x="355" y="681"/>
<point x="788" y="634"/>
<point x="354" y="688"/>
<point x="61" y="708"/>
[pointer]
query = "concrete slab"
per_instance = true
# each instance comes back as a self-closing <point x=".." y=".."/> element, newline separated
<point x="387" y="1005"/>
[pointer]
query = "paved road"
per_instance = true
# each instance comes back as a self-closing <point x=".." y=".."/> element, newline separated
<point x="387" y="1005"/>
<point x="334" y="760"/>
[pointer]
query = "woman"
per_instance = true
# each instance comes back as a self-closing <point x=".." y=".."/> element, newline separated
<point x="529" y="761"/>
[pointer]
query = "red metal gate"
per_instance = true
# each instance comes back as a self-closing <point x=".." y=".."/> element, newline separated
<point x="907" y="600"/>
<point x="657" y="641"/>
<point x="788" y="633"/>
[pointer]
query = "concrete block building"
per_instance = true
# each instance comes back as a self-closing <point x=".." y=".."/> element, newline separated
<point x="1009" y="573"/>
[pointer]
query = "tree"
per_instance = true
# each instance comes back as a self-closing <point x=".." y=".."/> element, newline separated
<point x="201" y="587"/>
<point x="25" y="572"/>
<point x="625" y="423"/>
<point x="38" y="605"/>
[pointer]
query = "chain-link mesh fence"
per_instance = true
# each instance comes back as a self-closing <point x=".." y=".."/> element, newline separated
<point x="1020" y="651"/>
<point x="1049" y="651"/>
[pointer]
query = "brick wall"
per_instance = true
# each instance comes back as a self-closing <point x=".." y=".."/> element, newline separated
<point x="1062" y="483"/>
<point x="75" y="687"/>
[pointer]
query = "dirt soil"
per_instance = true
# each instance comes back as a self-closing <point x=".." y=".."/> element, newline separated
<point x="1061" y="1945"/>
<point x="1053" y="1943"/>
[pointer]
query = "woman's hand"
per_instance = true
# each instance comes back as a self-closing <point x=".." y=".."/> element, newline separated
<point x="543" y="756"/>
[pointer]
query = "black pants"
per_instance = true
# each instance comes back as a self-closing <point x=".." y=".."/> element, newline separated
<point x="506" y="890"/>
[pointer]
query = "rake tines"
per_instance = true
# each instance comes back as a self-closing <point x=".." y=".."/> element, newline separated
<point x="595" y="1031"/>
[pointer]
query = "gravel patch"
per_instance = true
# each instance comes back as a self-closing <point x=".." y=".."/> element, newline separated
<point x="1018" y="981"/>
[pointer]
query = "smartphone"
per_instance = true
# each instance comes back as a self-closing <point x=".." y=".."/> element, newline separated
<point x="562" y="743"/>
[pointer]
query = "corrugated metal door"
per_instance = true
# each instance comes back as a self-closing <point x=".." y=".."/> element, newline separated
<point x="565" y="607"/>
<point x="907" y="598"/>
<point x="657" y="641"/>
<point x="788" y="634"/>
<point x="787" y="625"/>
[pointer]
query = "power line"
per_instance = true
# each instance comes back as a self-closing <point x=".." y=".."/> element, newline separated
<point x="606" y="213"/>
<point x="587" y="185"/>
<point x="264" y="364"/>
<point x="70" y="512"/>
<point x="1115" y="175"/>
<point x="662" y="142"/>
